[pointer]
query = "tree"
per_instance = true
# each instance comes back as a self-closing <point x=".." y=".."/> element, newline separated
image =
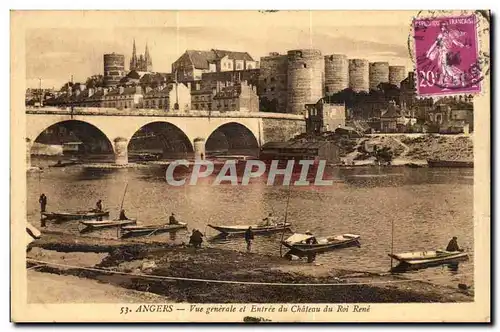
<point x="94" y="81"/>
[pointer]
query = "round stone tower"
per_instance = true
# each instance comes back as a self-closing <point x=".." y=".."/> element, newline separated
<point x="359" y="75"/>
<point x="397" y="74"/>
<point x="379" y="73"/>
<point x="114" y="69"/>
<point x="336" y="73"/>
<point x="305" y="79"/>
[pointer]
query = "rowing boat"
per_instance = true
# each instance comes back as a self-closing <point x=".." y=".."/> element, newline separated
<point x="423" y="259"/>
<point x="107" y="223"/>
<point x="65" y="216"/>
<point x="298" y="246"/>
<point x="32" y="234"/>
<point x="256" y="229"/>
<point x="138" y="230"/>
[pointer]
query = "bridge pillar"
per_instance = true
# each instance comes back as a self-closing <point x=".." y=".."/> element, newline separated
<point x="121" y="151"/>
<point x="199" y="148"/>
<point x="28" y="153"/>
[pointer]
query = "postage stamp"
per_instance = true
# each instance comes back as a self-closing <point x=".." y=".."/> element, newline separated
<point x="447" y="57"/>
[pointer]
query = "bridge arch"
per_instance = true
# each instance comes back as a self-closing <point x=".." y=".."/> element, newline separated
<point x="57" y="133"/>
<point x="232" y="136"/>
<point x="161" y="135"/>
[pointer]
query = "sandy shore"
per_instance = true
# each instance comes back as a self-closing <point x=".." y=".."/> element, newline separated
<point x="53" y="288"/>
<point x="158" y="259"/>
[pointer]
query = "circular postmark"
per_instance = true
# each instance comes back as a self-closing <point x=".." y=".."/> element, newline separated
<point x="449" y="50"/>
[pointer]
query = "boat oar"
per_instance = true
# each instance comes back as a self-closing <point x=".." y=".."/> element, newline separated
<point x="284" y="223"/>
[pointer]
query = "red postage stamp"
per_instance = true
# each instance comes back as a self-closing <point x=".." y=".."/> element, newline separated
<point x="447" y="56"/>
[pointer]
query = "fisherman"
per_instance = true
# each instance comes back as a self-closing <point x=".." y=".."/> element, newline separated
<point x="311" y="257"/>
<point x="98" y="208"/>
<point x="249" y="238"/>
<point x="196" y="238"/>
<point x="43" y="202"/>
<point x="172" y="220"/>
<point x="453" y="245"/>
<point x="122" y="215"/>
<point x="269" y="220"/>
<point x="312" y="239"/>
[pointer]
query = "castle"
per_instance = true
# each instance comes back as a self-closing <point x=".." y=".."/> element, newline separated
<point x="143" y="63"/>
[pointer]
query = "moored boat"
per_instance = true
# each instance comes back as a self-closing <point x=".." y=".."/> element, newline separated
<point x="78" y="215"/>
<point x="139" y="230"/>
<point x="256" y="229"/>
<point x="450" y="163"/>
<point x="423" y="259"/>
<point x="32" y="234"/>
<point x="107" y="223"/>
<point x="66" y="163"/>
<point x="297" y="243"/>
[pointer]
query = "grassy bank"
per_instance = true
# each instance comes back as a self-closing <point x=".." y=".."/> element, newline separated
<point x="154" y="259"/>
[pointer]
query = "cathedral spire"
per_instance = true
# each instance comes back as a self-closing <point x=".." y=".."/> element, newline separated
<point x="133" y="60"/>
<point x="147" y="59"/>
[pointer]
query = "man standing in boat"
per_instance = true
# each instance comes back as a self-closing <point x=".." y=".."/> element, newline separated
<point x="453" y="245"/>
<point x="98" y="208"/>
<point x="249" y="238"/>
<point x="43" y="202"/>
<point x="172" y="220"/>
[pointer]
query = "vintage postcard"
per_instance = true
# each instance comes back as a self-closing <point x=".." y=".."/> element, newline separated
<point x="250" y="166"/>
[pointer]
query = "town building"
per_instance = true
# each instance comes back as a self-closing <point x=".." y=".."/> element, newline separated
<point x="169" y="97"/>
<point x="448" y="119"/>
<point x="238" y="97"/>
<point x="124" y="98"/>
<point x="202" y="98"/>
<point x="408" y="91"/>
<point x="192" y="64"/>
<point x="323" y="116"/>
<point x="143" y="62"/>
<point x="394" y="119"/>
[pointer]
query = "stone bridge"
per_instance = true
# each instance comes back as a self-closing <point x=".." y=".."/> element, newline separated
<point x="118" y="126"/>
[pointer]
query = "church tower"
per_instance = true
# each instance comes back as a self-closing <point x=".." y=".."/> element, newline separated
<point x="148" y="60"/>
<point x="133" y="61"/>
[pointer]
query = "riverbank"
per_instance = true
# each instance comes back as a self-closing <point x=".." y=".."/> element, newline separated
<point x="168" y="272"/>
<point x="423" y="147"/>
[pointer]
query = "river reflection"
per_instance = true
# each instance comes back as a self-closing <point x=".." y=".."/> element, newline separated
<point x="427" y="206"/>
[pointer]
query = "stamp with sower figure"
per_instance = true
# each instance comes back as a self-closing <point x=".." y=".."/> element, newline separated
<point x="447" y="55"/>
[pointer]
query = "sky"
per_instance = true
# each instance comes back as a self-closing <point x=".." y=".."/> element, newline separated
<point x="62" y="44"/>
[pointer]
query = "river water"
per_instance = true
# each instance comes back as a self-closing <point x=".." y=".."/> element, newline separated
<point x="427" y="206"/>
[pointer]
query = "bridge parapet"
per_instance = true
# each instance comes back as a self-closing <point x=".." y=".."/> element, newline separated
<point x="158" y="113"/>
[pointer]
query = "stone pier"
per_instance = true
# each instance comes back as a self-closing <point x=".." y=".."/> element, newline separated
<point x="199" y="148"/>
<point x="121" y="151"/>
<point x="28" y="153"/>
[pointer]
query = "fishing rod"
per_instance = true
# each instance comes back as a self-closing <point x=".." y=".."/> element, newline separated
<point x="284" y="222"/>
<point x="123" y="198"/>
<point x="118" y="229"/>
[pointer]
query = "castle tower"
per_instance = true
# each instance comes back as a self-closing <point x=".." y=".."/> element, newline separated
<point x="133" y="60"/>
<point x="305" y="71"/>
<point x="148" y="60"/>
